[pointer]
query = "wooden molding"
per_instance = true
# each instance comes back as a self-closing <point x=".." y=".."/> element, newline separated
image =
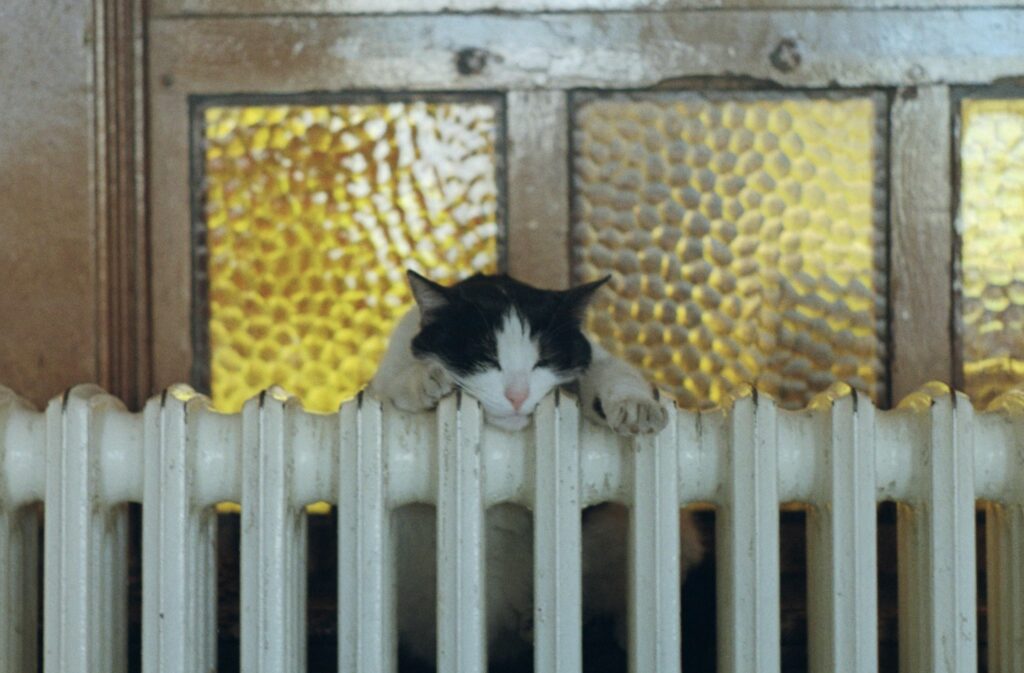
<point x="119" y="168"/>
<point x="538" y="188"/>
<point x="178" y="8"/>
<point x="921" y="239"/>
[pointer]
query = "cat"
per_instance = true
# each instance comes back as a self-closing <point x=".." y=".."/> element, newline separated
<point x="509" y="344"/>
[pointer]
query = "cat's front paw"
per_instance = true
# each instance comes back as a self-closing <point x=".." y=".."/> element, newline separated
<point x="633" y="414"/>
<point x="435" y="384"/>
<point x="425" y="386"/>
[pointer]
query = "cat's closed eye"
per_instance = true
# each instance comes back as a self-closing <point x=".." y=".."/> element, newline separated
<point x="543" y="362"/>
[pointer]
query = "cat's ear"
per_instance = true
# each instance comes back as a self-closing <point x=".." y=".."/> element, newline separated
<point x="576" y="300"/>
<point x="429" y="295"/>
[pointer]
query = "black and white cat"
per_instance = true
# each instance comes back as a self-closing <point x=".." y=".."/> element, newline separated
<point x="508" y="345"/>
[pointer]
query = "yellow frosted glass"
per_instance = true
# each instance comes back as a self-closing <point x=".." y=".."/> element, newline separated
<point x="744" y="240"/>
<point x="313" y="214"/>
<point x="992" y="220"/>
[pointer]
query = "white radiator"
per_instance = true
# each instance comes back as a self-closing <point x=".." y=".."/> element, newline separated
<point x="86" y="456"/>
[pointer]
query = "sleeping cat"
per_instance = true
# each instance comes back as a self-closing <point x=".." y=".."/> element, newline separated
<point x="508" y="345"/>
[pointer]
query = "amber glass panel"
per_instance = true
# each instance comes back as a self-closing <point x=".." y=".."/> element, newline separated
<point x="992" y="219"/>
<point x="744" y="237"/>
<point x="312" y="215"/>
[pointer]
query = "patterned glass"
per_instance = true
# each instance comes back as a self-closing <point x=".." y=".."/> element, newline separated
<point x="992" y="246"/>
<point x="744" y="236"/>
<point x="312" y="215"/>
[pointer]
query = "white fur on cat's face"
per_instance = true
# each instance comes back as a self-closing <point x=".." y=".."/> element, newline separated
<point x="517" y="375"/>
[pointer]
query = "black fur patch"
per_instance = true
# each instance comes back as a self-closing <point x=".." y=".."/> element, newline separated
<point x="599" y="408"/>
<point x="460" y="322"/>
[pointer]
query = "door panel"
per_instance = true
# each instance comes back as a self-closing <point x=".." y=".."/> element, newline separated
<point x="873" y="309"/>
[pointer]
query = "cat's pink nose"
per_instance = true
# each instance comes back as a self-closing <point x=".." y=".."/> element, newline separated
<point x="517" y="396"/>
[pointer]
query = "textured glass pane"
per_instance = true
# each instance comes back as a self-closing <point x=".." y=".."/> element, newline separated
<point x="992" y="217"/>
<point x="312" y="215"/>
<point x="744" y="238"/>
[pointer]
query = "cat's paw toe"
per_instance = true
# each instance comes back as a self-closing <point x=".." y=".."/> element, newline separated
<point x="422" y="388"/>
<point x="434" y="385"/>
<point x="636" y="416"/>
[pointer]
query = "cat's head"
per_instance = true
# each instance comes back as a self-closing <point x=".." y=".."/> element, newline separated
<point x="504" y="342"/>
